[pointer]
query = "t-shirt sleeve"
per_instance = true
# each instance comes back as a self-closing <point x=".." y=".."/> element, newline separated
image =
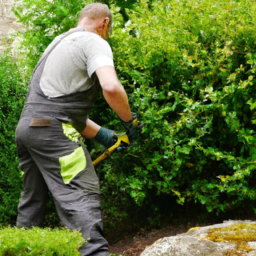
<point x="98" y="54"/>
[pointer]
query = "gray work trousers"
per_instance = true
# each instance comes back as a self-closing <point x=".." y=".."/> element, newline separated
<point x="76" y="198"/>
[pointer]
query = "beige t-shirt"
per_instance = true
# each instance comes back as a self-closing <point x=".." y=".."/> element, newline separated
<point x="70" y="65"/>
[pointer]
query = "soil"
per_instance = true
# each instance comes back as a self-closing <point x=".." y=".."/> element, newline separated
<point x="134" y="245"/>
<point x="134" y="241"/>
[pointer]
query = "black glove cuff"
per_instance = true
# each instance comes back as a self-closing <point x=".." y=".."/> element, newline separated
<point x="132" y="123"/>
<point x="106" y="137"/>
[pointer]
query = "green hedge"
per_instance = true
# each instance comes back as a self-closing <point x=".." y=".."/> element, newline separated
<point x="36" y="241"/>
<point x="190" y="68"/>
<point x="11" y="103"/>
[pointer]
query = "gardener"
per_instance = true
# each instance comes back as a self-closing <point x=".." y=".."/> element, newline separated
<point x="62" y="91"/>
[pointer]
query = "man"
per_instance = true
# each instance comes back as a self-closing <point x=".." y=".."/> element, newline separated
<point x="62" y="91"/>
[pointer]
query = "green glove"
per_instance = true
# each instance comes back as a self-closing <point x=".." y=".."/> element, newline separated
<point x="133" y="128"/>
<point x="106" y="137"/>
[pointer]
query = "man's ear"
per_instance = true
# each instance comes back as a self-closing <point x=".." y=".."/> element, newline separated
<point x="103" y="24"/>
<point x="106" y="21"/>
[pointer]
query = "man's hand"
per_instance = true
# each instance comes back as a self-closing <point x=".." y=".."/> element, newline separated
<point x="133" y="128"/>
<point x="106" y="137"/>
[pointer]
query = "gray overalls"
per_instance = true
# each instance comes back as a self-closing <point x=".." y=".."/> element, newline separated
<point x="52" y="158"/>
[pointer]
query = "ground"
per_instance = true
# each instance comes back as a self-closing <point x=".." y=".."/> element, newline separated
<point x="134" y="244"/>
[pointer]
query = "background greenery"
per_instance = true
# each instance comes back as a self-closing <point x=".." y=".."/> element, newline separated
<point x="12" y="97"/>
<point x="189" y="69"/>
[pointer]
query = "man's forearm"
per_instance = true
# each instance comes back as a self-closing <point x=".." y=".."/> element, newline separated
<point x="118" y="101"/>
<point x="100" y="134"/>
<point x="114" y="92"/>
<point x="90" y="130"/>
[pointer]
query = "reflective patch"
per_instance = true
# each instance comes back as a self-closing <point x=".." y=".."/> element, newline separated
<point x="70" y="132"/>
<point x="72" y="164"/>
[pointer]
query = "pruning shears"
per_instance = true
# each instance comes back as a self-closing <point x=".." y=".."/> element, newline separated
<point x="121" y="144"/>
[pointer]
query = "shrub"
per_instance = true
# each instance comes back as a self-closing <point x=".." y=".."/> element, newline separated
<point x="11" y="103"/>
<point x="189" y="68"/>
<point x="36" y="241"/>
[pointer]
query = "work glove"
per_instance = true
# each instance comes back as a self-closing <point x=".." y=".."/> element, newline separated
<point x="133" y="128"/>
<point x="106" y="137"/>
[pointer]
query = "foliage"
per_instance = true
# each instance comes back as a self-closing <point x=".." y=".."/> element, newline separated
<point x="36" y="241"/>
<point x="189" y="69"/>
<point x="11" y="104"/>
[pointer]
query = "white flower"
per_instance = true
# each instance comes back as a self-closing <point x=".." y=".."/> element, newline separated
<point x="24" y="12"/>
<point x="127" y="23"/>
<point x="49" y="32"/>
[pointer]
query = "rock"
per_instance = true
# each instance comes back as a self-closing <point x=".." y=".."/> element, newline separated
<point x="229" y="238"/>
<point x="7" y="22"/>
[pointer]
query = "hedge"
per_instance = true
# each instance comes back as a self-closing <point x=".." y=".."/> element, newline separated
<point x="190" y="69"/>
<point x="11" y="103"/>
<point x="37" y="241"/>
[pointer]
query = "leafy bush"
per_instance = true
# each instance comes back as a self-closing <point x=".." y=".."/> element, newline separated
<point x="36" y="241"/>
<point x="11" y="103"/>
<point x="190" y="69"/>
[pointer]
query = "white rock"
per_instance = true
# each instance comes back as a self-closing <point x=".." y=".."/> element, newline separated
<point x="193" y="243"/>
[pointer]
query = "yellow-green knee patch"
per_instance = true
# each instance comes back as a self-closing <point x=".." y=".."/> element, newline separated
<point x="72" y="164"/>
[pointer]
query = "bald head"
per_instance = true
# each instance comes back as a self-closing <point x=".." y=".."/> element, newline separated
<point x="94" y="12"/>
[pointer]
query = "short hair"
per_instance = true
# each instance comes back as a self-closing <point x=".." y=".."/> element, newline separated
<point x="95" y="11"/>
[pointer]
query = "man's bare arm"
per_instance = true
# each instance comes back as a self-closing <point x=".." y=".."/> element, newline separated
<point x="114" y="92"/>
<point x="100" y="134"/>
<point x="90" y="130"/>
